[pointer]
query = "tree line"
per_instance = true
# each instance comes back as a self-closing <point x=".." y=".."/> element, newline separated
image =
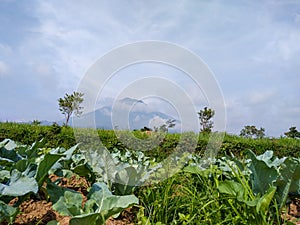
<point x="71" y="104"/>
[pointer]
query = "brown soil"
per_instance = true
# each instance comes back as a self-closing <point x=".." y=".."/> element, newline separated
<point x="40" y="212"/>
<point x="293" y="213"/>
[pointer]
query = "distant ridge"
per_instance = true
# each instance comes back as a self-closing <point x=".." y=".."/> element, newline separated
<point x="128" y="113"/>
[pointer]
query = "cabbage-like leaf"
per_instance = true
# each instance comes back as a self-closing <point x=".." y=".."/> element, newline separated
<point x="8" y="153"/>
<point x="264" y="202"/>
<point x="70" y="204"/>
<point x="100" y="206"/>
<point x="45" y="165"/>
<point x="232" y="188"/>
<point x="286" y="183"/>
<point x="19" y="185"/>
<point x="263" y="173"/>
<point x="7" y="213"/>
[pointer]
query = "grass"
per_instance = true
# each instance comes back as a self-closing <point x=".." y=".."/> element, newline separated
<point x="194" y="199"/>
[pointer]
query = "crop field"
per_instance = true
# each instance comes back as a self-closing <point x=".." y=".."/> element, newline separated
<point x="46" y="178"/>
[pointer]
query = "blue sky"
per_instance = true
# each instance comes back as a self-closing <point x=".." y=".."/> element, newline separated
<point x="252" y="47"/>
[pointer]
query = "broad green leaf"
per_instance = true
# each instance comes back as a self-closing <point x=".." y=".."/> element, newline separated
<point x="232" y="188"/>
<point x="102" y="163"/>
<point x="264" y="202"/>
<point x="68" y="154"/>
<point x="270" y="160"/>
<point x="284" y="183"/>
<point x="8" y="151"/>
<point x="4" y="175"/>
<point x="8" y="144"/>
<point x="32" y="151"/>
<point x="70" y="204"/>
<point x="100" y="206"/>
<point x="90" y="219"/>
<point x="192" y="169"/>
<point x="83" y="170"/>
<point x="99" y="191"/>
<point x="252" y="203"/>
<point x="262" y="176"/>
<point x="44" y="167"/>
<point x="7" y="213"/>
<point x="19" y="185"/>
<point x="55" y="192"/>
<point x="53" y="222"/>
<point x="63" y="162"/>
<point x="108" y="204"/>
<point x="22" y="164"/>
<point x="125" y="181"/>
<point x="295" y="185"/>
<point x="115" y="204"/>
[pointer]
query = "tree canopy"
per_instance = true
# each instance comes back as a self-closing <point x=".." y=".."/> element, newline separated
<point x="292" y="133"/>
<point x="252" y="131"/>
<point x="71" y="104"/>
<point x="205" y="117"/>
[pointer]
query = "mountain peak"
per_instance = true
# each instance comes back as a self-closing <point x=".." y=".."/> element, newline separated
<point x="131" y="101"/>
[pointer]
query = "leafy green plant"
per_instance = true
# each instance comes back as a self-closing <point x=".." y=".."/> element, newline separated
<point x="101" y="204"/>
<point x="25" y="171"/>
<point x="7" y="213"/>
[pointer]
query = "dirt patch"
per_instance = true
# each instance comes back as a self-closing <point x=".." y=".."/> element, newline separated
<point x="127" y="217"/>
<point x="293" y="214"/>
<point x="39" y="211"/>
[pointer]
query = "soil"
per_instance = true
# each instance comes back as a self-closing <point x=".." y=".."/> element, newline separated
<point x="39" y="211"/>
<point x="293" y="213"/>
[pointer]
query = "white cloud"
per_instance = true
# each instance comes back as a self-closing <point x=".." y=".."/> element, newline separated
<point x="5" y="49"/>
<point x="156" y="122"/>
<point x="260" y="97"/>
<point x="4" y="69"/>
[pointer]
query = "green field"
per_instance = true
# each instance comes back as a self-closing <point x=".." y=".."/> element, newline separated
<point x="252" y="181"/>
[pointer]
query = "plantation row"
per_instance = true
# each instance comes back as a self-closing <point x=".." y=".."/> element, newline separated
<point x="55" y="135"/>
<point x="185" y="189"/>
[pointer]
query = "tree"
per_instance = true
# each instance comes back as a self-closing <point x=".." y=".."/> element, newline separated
<point x="170" y="123"/>
<point x="205" y="117"/>
<point x="36" y="122"/>
<point x="292" y="133"/>
<point x="252" y="131"/>
<point x="146" y="129"/>
<point x="71" y="104"/>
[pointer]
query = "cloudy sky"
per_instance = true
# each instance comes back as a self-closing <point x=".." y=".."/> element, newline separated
<point x="252" y="47"/>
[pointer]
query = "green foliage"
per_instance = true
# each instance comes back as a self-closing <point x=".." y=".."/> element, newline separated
<point x="71" y="104"/>
<point x="229" y="191"/>
<point x="251" y="190"/>
<point x="7" y="213"/>
<point x="24" y="170"/>
<point x="101" y="204"/>
<point x="252" y="131"/>
<point x="292" y="133"/>
<point x="55" y="135"/>
<point x="205" y="117"/>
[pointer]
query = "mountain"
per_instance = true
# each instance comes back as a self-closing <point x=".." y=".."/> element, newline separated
<point x="127" y="113"/>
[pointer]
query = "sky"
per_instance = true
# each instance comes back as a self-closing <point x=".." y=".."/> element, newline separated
<point x="252" y="48"/>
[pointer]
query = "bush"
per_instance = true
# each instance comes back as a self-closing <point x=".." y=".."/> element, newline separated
<point x="56" y="135"/>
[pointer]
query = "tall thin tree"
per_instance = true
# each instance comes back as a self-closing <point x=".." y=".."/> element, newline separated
<point x="205" y="117"/>
<point x="71" y="104"/>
